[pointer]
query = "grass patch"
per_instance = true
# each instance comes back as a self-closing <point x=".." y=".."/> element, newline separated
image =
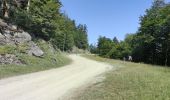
<point x="51" y="59"/>
<point x="33" y="64"/>
<point x="131" y="81"/>
<point x="7" y="49"/>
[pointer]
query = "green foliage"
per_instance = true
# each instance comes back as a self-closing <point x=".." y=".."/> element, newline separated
<point x="119" y="51"/>
<point x="80" y="36"/>
<point x="93" y="49"/>
<point x="44" y="13"/>
<point x="21" y="18"/>
<point x="104" y="45"/>
<point x="22" y="48"/>
<point x="7" y="49"/>
<point x="113" y="48"/>
<point x="10" y="49"/>
<point x="44" y="20"/>
<point x="115" y="40"/>
<point x="69" y="42"/>
<point x="150" y="44"/>
<point x="152" y="40"/>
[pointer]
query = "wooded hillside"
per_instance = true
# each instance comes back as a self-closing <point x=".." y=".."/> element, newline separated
<point x="43" y="19"/>
<point x="150" y="44"/>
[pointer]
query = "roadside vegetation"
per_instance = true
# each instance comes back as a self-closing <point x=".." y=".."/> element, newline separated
<point x="51" y="59"/>
<point x="131" y="81"/>
<point x="34" y="64"/>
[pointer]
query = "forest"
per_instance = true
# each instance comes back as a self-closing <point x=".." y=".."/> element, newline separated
<point x="150" y="44"/>
<point x="43" y="19"/>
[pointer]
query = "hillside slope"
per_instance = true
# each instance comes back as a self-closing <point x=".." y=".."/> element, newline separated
<point x="19" y="54"/>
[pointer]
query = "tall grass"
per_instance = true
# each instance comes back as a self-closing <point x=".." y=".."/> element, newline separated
<point x="129" y="82"/>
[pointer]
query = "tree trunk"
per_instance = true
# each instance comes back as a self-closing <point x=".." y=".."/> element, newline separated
<point x="16" y="3"/>
<point x="166" y="57"/>
<point x="28" y="5"/>
<point x="5" y="8"/>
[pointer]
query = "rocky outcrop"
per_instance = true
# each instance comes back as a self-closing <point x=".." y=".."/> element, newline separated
<point x="10" y="35"/>
<point x="9" y="59"/>
<point x="8" y="38"/>
<point x="14" y="38"/>
<point x="34" y="50"/>
<point x="20" y="38"/>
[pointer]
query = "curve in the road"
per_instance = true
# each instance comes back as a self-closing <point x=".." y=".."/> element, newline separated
<point x="51" y="84"/>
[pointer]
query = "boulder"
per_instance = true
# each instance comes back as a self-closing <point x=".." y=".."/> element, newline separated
<point x="22" y="37"/>
<point x="34" y="50"/>
<point x="7" y="32"/>
<point x="8" y="39"/>
<point x="51" y="49"/>
<point x="14" y="27"/>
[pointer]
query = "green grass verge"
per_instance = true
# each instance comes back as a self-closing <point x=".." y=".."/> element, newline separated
<point x="131" y="81"/>
<point x="33" y="64"/>
<point x="51" y="59"/>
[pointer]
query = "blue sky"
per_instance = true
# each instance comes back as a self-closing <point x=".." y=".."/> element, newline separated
<point x="108" y="18"/>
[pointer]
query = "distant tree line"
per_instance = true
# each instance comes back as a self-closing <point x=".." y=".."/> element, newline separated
<point x="151" y="43"/>
<point x="43" y="19"/>
<point x="112" y="48"/>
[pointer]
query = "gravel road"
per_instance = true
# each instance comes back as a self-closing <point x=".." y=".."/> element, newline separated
<point x="52" y="84"/>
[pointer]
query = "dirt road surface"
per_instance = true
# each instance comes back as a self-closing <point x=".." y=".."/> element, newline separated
<point x="52" y="84"/>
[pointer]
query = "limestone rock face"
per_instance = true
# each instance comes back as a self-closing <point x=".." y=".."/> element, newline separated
<point x="10" y="35"/>
<point x="9" y="59"/>
<point x="2" y="39"/>
<point x="21" y="37"/>
<point x="14" y="38"/>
